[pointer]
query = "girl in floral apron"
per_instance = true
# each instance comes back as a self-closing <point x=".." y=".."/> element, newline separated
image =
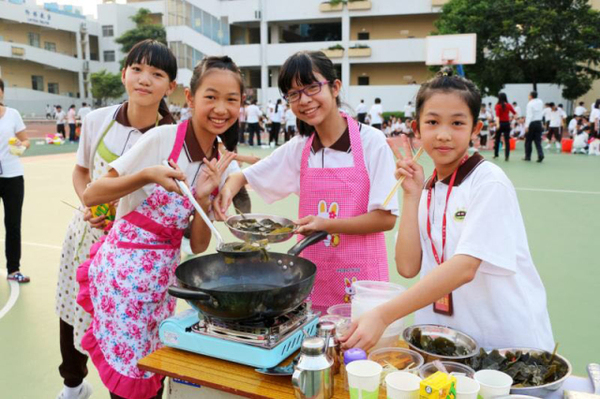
<point x="341" y="170"/>
<point x="124" y="284"/>
<point x="107" y="133"/>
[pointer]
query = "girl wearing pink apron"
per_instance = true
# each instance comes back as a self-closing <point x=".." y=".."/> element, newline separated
<point x="343" y="193"/>
<point x="124" y="287"/>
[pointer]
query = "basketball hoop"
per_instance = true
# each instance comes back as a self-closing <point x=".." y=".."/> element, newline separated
<point x="450" y="49"/>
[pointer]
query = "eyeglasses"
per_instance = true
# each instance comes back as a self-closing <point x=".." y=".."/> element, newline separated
<point x="310" y="90"/>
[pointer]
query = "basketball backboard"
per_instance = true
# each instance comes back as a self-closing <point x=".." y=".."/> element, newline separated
<point x="451" y="49"/>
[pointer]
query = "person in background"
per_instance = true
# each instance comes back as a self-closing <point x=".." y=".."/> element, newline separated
<point x="83" y="111"/>
<point x="503" y="115"/>
<point x="572" y="128"/>
<point x="13" y="140"/>
<point x="376" y="114"/>
<point x="361" y="111"/>
<point x="563" y="115"/>
<point x="242" y="122"/>
<point x="517" y="109"/>
<point x="48" y="111"/>
<point x="72" y="121"/>
<point x="554" y="125"/>
<point x="290" y="124"/>
<point x="409" y="110"/>
<point x="185" y="113"/>
<point x="276" y="118"/>
<point x="580" y="109"/>
<point x="253" y="116"/>
<point x="533" y="126"/>
<point x="61" y="119"/>
<point x="485" y="117"/>
<point x="594" y="120"/>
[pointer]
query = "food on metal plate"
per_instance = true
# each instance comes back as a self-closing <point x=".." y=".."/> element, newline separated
<point x="241" y="247"/>
<point x="437" y="346"/>
<point x="263" y="226"/>
<point x="526" y="369"/>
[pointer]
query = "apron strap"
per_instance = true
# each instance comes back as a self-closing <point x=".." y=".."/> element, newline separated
<point x="179" y="140"/>
<point x="355" y="143"/>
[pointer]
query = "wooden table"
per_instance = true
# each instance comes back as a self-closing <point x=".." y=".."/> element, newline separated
<point x="225" y="376"/>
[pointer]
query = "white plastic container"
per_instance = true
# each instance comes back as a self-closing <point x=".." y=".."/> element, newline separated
<point x="369" y="295"/>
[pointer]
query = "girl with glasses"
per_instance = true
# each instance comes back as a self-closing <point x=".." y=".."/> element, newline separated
<point x="342" y="172"/>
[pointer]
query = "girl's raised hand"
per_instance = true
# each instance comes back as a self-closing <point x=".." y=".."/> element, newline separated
<point x="211" y="174"/>
<point x="165" y="176"/>
<point x="405" y="166"/>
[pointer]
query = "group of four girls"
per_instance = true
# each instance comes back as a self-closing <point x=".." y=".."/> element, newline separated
<point x="479" y="278"/>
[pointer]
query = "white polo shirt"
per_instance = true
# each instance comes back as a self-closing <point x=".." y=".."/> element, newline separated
<point x="374" y="113"/>
<point x="505" y="304"/>
<point x="278" y="175"/>
<point x="11" y="123"/>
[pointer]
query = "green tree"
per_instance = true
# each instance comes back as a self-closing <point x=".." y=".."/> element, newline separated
<point x="529" y="41"/>
<point x="106" y="85"/>
<point x="144" y="29"/>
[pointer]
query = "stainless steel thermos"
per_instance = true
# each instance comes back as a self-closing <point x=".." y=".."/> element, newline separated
<point x="313" y="374"/>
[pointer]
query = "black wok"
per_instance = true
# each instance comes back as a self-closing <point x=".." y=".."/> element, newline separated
<point x="247" y="289"/>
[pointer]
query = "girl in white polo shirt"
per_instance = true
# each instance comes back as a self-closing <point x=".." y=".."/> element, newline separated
<point x="106" y="134"/>
<point x="341" y="170"/>
<point x="463" y="231"/>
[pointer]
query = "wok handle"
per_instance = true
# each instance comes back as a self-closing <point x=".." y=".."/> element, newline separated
<point x="184" y="293"/>
<point x="307" y="241"/>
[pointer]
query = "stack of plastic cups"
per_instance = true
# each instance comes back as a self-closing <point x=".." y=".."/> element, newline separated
<point x="350" y="356"/>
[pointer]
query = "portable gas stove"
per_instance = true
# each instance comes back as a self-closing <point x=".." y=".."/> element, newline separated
<point x="264" y="344"/>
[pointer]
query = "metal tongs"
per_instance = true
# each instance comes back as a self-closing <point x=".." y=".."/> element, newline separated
<point x="221" y="246"/>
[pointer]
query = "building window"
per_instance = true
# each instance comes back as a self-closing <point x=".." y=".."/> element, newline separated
<point x="107" y="31"/>
<point x="363" y="80"/>
<point x="37" y="82"/>
<point x="363" y="35"/>
<point x="50" y="46"/>
<point x="53" y="88"/>
<point x="109" y="56"/>
<point x="34" y="39"/>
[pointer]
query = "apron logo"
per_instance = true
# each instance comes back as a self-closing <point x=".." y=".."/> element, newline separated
<point x="332" y="240"/>
<point x="460" y="215"/>
<point x="350" y="290"/>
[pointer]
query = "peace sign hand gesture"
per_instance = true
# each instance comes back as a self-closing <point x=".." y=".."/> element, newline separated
<point x="211" y="173"/>
<point x="414" y="176"/>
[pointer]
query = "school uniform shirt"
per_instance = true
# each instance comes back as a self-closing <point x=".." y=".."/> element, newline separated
<point x="579" y="110"/>
<point x="555" y="118"/>
<point x="595" y="114"/>
<point x="408" y="111"/>
<point x="71" y="116"/>
<point x="505" y="304"/>
<point x="278" y="175"/>
<point x="290" y="118"/>
<point x="11" y="123"/>
<point x="361" y="108"/>
<point x="253" y="114"/>
<point x="277" y="116"/>
<point x="60" y="117"/>
<point x="517" y="110"/>
<point x="120" y="137"/>
<point x="546" y="114"/>
<point x="374" y="113"/>
<point x="572" y="126"/>
<point x="154" y="148"/>
<point x="83" y="112"/>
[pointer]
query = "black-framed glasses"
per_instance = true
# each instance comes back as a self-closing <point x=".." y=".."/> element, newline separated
<point x="311" y="90"/>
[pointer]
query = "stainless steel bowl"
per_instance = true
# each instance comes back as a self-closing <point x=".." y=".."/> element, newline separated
<point x="435" y="331"/>
<point x="540" y="391"/>
<point x="253" y="237"/>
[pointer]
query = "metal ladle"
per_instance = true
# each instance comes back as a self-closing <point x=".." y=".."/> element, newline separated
<point x="220" y="242"/>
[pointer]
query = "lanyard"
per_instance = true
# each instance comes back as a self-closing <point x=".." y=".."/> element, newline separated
<point x="440" y="259"/>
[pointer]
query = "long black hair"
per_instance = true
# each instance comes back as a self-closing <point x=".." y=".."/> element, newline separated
<point x="230" y="136"/>
<point x="300" y="69"/>
<point x="446" y="82"/>
<point x="157" y="55"/>
<point x="502" y="100"/>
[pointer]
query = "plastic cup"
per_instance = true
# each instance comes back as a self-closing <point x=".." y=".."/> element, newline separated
<point x="493" y="383"/>
<point x="402" y="385"/>
<point x="363" y="379"/>
<point x="466" y="388"/>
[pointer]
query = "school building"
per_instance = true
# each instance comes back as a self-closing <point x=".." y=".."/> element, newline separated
<point x="48" y="53"/>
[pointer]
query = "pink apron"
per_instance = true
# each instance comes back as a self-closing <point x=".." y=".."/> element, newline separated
<point x="124" y="287"/>
<point x="340" y="193"/>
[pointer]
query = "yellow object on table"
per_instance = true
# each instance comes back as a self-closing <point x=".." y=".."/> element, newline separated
<point x="438" y="386"/>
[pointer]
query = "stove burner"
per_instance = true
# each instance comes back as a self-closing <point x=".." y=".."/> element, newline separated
<point x="267" y="333"/>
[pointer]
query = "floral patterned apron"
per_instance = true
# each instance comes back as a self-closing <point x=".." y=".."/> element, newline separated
<point x="124" y="287"/>
<point x="340" y="193"/>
